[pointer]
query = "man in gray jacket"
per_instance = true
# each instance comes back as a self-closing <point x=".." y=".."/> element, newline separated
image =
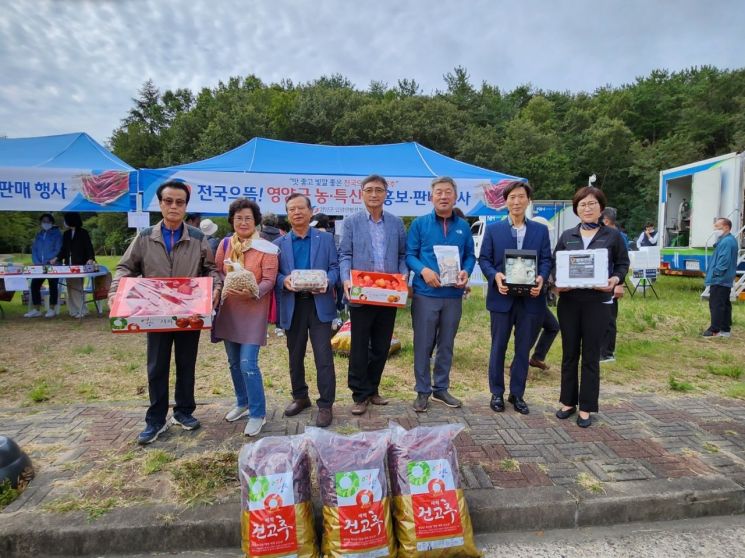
<point x="170" y="248"/>
<point x="373" y="240"/>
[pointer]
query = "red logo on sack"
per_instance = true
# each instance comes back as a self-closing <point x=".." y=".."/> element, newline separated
<point x="273" y="531"/>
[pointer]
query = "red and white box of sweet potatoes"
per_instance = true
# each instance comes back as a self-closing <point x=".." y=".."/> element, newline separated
<point x="155" y="304"/>
<point x="378" y="289"/>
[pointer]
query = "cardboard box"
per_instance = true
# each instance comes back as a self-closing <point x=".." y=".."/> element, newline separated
<point x="379" y="289"/>
<point x="520" y="269"/>
<point x="35" y="269"/>
<point x="86" y="268"/>
<point x="8" y="268"/>
<point x="155" y="304"/>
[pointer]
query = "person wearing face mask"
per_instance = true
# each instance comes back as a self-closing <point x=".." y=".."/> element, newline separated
<point x="719" y="278"/>
<point x="584" y="313"/>
<point x="77" y="249"/>
<point x="44" y="250"/>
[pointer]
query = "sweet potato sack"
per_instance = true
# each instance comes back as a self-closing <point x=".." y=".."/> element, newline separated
<point x="276" y="510"/>
<point x="354" y="493"/>
<point x="430" y="512"/>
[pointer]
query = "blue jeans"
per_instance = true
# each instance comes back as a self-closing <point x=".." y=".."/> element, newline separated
<point x="246" y="376"/>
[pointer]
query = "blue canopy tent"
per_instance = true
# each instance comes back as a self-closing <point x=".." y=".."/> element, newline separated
<point x="267" y="171"/>
<point x="68" y="172"/>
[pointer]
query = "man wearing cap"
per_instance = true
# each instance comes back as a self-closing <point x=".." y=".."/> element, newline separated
<point x="373" y="240"/>
<point x="169" y="249"/>
<point x="209" y="228"/>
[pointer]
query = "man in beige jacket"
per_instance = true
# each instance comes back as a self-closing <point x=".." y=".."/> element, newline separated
<point x="169" y="249"/>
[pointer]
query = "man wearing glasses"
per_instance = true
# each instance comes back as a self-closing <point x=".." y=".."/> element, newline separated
<point x="373" y="240"/>
<point x="169" y="249"/>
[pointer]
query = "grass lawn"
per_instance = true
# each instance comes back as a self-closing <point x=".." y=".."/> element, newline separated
<point x="659" y="349"/>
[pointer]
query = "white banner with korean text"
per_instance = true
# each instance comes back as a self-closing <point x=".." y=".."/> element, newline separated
<point x="212" y="192"/>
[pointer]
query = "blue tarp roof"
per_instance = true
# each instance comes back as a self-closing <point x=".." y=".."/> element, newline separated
<point x="65" y="151"/>
<point x="261" y="155"/>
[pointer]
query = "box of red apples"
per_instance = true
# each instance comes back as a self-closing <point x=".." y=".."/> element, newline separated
<point x="379" y="289"/>
<point x="162" y="304"/>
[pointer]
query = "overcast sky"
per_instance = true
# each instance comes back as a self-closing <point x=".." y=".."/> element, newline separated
<point x="74" y="65"/>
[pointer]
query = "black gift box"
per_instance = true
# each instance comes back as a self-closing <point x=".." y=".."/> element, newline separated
<point x="521" y="270"/>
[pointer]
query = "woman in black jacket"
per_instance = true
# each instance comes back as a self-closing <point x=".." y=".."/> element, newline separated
<point x="584" y="314"/>
<point x="77" y="249"/>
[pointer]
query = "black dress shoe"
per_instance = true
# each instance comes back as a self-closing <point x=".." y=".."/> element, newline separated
<point x="497" y="403"/>
<point x="297" y="406"/>
<point x="562" y="414"/>
<point x="519" y="404"/>
<point x="584" y="423"/>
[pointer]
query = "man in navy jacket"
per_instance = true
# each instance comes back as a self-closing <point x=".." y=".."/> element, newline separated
<point x="373" y="240"/>
<point x="524" y="313"/>
<point x="304" y="313"/>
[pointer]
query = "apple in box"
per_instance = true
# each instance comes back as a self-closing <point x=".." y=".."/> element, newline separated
<point x="379" y="289"/>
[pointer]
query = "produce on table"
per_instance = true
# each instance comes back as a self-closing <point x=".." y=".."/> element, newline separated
<point x="276" y="510"/>
<point x="106" y="187"/>
<point x="354" y="493"/>
<point x="430" y="512"/>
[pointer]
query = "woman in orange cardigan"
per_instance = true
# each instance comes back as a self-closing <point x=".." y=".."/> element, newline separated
<point x="242" y="319"/>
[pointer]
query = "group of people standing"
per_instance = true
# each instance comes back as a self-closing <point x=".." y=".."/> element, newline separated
<point x="372" y="240"/>
<point x="54" y="247"/>
<point x="584" y="314"/>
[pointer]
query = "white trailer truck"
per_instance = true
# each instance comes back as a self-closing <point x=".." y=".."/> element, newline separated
<point x="690" y="198"/>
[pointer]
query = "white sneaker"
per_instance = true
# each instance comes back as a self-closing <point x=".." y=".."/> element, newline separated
<point x="253" y="426"/>
<point x="279" y="332"/>
<point x="32" y="314"/>
<point x="235" y="413"/>
<point x="725" y="334"/>
<point x="50" y="313"/>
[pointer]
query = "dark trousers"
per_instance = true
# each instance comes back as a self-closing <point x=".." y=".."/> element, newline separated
<point x="583" y="325"/>
<point x="36" y="291"/>
<point x="372" y="329"/>
<point x="548" y="331"/>
<point x="608" y="346"/>
<point x="525" y="325"/>
<point x="159" y="346"/>
<point x="304" y="322"/>
<point x="720" y="308"/>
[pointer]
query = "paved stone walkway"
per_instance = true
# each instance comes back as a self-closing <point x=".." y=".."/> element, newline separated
<point x="638" y="438"/>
